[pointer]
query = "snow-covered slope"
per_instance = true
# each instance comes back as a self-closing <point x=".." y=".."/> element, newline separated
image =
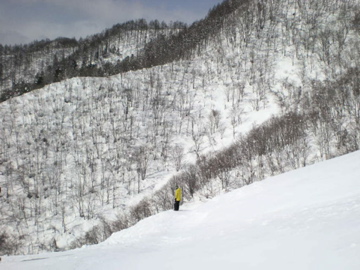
<point x="304" y="219"/>
<point x="78" y="153"/>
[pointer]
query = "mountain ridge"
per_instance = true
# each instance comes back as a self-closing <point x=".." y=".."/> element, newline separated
<point x="87" y="156"/>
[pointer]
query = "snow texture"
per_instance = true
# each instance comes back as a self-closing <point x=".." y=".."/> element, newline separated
<point x="242" y="75"/>
<point x="303" y="219"/>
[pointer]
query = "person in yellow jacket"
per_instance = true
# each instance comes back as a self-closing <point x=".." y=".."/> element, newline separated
<point x="178" y="198"/>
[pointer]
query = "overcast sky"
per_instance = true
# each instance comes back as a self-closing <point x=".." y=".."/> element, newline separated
<point x="23" y="21"/>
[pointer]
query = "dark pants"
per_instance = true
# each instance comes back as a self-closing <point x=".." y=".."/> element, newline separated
<point x="176" y="205"/>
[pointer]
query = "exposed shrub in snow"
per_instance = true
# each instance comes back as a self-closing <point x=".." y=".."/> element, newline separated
<point x="9" y="244"/>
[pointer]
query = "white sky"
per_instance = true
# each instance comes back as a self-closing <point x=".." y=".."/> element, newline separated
<point x="22" y="21"/>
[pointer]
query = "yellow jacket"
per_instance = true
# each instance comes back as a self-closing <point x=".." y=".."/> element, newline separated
<point x="178" y="194"/>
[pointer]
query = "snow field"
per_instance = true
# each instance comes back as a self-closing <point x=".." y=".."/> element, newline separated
<point x="304" y="219"/>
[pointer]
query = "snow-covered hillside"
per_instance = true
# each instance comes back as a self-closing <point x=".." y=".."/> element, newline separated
<point x="37" y="62"/>
<point x="81" y="152"/>
<point x="304" y="219"/>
